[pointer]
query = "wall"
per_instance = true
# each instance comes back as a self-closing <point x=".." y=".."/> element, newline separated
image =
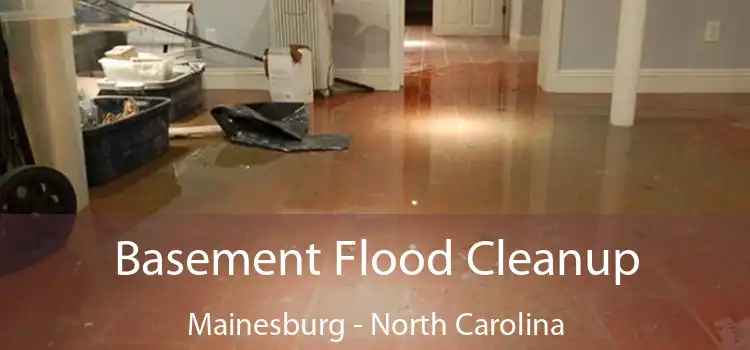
<point x="579" y="46"/>
<point x="525" y="24"/>
<point x="674" y="34"/>
<point x="360" y="38"/>
<point x="239" y="24"/>
<point x="531" y="23"/>
<point x="361" y="34"/>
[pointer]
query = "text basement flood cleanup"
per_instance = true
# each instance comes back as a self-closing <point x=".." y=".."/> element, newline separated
<point x="132" y="260"/>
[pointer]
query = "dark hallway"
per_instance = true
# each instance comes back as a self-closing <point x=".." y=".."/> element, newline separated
<point x="418" y="12"/>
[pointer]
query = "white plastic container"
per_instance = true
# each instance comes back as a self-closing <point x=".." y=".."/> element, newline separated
<point x="137" y="70"/>
<point x="179" y="73"/>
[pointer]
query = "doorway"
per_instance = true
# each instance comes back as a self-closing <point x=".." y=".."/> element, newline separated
<point x="457" y="17"/>
<point x="418" y="12"/>
<point x="443" y="18"/>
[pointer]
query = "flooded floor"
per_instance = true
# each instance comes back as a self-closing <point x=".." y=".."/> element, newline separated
<point x="469" y="151"/>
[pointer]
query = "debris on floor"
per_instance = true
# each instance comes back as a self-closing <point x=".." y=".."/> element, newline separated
<point x="280" y="126"/>
<point x="194" y="131"/>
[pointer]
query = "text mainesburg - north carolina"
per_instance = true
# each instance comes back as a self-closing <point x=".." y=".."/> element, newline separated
<point x="466" y="324"/>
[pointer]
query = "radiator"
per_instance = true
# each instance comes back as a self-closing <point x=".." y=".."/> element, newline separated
<point x="309" y="23"/>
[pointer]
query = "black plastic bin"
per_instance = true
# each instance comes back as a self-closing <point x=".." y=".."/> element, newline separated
<point x="115" y="149"/>
<point x="185" y="91"/>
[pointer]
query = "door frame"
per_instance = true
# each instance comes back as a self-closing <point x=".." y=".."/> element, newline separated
<point x="397" y="23"/>
<point x="397" y="12"/>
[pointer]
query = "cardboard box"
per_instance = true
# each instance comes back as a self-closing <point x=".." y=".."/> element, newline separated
<point x="176" y="14"/>
<point x="124" y="52"/>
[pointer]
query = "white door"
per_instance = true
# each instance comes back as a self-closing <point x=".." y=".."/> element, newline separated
<point x="468" y="17"/>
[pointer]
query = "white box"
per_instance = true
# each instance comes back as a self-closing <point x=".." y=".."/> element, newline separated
<point x="290" y="81"/>
<point x="176" y="14"/>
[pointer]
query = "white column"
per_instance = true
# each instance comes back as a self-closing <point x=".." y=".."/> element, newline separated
<point x="628" y="62"/>
<point x="516" y="19"/>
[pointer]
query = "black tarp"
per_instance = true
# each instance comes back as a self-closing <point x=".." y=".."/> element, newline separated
<point x="280" y="126"/>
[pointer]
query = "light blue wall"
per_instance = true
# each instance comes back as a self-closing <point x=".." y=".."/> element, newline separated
<point x="674" y="34"/>
<point x="361" y="36"/>
<point x="531" y="24"/>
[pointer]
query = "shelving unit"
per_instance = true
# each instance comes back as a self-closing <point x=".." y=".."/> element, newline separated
<point x="92" y="40"/>
<point x="105" y="27"/>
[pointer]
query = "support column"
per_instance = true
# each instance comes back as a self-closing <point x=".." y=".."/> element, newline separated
<point x="628" y="61"/>
<point x="515" y="22"/>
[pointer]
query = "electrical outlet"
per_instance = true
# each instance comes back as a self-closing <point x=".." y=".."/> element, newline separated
<point x="210" y="35"/>
<point x="713" y="31"/>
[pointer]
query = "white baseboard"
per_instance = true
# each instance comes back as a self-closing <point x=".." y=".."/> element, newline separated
<point x="520" y="42"/>
<point x="255" y="78"/>
<point x="654" y="81"/>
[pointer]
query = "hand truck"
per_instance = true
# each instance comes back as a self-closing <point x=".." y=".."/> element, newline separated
<point x="38" y="204"/>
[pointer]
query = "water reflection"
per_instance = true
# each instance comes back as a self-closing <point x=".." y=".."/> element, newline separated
<point x="614" y="172"/>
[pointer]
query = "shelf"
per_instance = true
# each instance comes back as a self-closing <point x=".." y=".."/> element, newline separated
<point x="105" y="27"/>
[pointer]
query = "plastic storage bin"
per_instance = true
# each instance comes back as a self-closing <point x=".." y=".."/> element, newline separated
<point x="185" y="91"/>
<point x="115" y="149"/>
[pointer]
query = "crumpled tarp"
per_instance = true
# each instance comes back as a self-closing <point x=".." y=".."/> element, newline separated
<point x="281" y="126"/>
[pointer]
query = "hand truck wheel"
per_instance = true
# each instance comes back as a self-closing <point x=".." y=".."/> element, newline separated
<point x="38" y="206"/>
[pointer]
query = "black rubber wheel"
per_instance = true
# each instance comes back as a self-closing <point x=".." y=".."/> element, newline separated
<point x="38" y="206"/>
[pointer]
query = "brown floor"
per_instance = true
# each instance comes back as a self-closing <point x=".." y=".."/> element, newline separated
<point x="470" y="134"/>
